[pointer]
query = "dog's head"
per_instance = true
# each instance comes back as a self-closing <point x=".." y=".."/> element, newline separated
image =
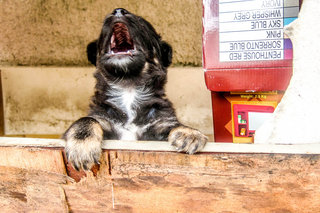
<point x="126" y="43"/>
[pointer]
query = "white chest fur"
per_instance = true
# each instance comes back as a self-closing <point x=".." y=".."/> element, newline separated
<point x="128" y="100"/>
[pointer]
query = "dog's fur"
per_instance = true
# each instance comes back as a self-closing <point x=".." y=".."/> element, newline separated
<point x="129" y="101"/>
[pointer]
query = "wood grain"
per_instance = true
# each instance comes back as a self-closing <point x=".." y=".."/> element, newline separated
<point x="25" y="190"/>
<point x="33" y="158"/>
<point x="158" y="181"/>
<point x="169" y="182"/>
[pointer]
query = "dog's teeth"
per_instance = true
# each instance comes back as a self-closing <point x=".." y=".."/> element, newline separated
<point x="112" y="53"/>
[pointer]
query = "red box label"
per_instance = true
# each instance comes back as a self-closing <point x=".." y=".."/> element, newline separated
<point x="245" y="40"/>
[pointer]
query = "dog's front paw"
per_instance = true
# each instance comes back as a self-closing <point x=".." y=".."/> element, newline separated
<point x="83" y="143"/>
<point x="187" y="140"/>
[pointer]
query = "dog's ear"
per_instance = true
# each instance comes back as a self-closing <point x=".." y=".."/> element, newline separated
<point x="92" y="52"/>
<point x="166" y="54"/>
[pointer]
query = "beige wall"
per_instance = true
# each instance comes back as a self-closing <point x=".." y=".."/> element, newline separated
<point x="56" y="32"/>
<point x="46" y="100"/>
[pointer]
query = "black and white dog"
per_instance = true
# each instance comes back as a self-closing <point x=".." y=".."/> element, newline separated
<point x="129" y="101"/>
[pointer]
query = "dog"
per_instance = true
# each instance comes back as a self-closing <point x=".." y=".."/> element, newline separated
<point x="129" y="102"/>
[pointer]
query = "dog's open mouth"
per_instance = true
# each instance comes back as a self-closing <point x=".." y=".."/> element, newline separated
<point x="121" y="42"/>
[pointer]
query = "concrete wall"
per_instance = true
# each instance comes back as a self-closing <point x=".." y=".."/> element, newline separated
<point x="42" y="99"/>
<point x="46" y="100"/>
<point x="56" y="32"/>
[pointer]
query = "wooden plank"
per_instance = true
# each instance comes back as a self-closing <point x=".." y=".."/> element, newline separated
<point x="164" y="146"/>
<point x="170" y="182"/>
<point x="33" y="158"/>
<point x="32" y="191"/>
<point x="157" y="181"/>
<point x="31" y="142"/>
<point x="216" y="147"/>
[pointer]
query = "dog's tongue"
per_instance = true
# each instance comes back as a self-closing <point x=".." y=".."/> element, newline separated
<point x="121" y="40"/>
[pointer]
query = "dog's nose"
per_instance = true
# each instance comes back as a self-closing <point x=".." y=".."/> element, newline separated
<point x="120" y="12"/>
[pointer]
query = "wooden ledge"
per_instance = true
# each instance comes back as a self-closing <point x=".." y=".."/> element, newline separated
<point x="236" y="178"/>
<point x="164" y="146"/>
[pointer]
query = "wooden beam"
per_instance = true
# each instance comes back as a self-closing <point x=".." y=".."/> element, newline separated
<point x="165" y="146"/>
<point x="161" y="181"/>
<point x="28" y="190"/>
<point x="33" y="158"/>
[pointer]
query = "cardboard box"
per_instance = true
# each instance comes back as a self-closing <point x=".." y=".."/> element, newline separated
<point x="245" y="50"/>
